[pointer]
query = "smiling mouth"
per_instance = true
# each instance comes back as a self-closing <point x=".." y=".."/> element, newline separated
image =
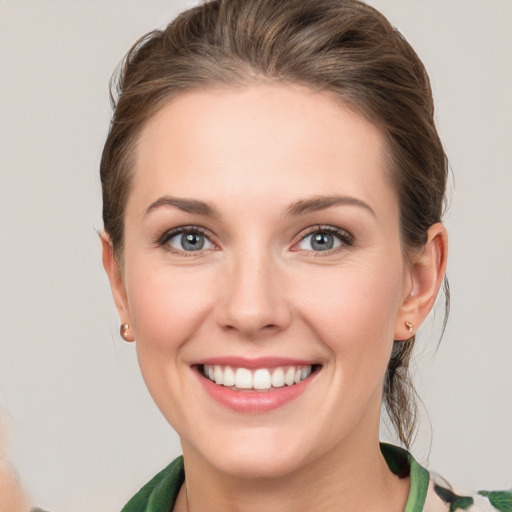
<point x="259" y="379"/>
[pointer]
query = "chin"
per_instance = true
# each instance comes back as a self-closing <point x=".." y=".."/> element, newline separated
<point x="255" y="453"/>
<point x="259" y="465"/>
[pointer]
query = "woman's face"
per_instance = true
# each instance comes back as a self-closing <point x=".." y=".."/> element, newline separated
<point x="261" y="243"/>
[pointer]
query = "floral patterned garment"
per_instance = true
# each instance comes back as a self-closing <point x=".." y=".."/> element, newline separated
<point x="428" y="492"/>
<point x="431" y="493"/>
<point x="441" y="498"/>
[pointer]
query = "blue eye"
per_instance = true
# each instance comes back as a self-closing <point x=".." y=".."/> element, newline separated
<point x="324" y="240"/>
<point x="188" y="240"/>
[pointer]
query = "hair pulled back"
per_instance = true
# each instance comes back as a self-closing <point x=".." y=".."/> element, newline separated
<point x="341" y="47"/>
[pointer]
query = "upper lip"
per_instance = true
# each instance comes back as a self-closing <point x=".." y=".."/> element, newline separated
<point x="252" y="363"/>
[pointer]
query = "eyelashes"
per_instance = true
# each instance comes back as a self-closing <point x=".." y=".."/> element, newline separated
<point x="324" y="239"/>
<point x="194" y="240"/>
<point x="186" y="239"/>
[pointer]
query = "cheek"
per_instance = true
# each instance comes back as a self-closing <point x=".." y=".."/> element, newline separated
<point x="354" y="311"/>
<point x="167" y="304"/>
<point x="167" y="307"/>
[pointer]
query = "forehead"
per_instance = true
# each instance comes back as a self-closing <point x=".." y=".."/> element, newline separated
<point x="267" y="141"/>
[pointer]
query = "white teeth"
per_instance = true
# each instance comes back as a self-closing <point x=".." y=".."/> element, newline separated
<point x="229" y="376"/>
<point x="218" y="374"/>
<point x="259" y="379"/>
<point x="243" y="378"/>
<point x="290" y="376"/>
<point x="278" y="378"/>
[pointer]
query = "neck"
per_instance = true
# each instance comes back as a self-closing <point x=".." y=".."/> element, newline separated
<point x="353" y="476"/>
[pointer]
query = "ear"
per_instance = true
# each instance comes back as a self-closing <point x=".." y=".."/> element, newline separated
<point x="426" y="274"/>
<point x="115" y="276"/>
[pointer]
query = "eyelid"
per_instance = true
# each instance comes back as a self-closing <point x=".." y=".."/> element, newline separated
<point x="346" y="238"/>
<point x="170" y="233"/>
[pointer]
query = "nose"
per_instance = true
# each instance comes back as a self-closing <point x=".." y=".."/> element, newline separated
<point x="253" y="298"/>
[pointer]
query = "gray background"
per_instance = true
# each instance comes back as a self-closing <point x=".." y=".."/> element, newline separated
<point x="81" y="427"/>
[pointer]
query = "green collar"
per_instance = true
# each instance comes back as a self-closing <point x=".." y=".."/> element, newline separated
<point x="160" y="493"/>
<point x="403" y="464"/>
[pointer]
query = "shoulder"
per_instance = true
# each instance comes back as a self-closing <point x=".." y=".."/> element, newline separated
<point x="441" y="497"/>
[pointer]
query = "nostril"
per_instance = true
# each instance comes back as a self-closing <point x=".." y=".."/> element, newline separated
<point x="252" y="302"/>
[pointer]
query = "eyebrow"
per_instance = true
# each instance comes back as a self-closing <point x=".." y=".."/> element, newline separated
<point x="301" y="207"/>
<point x="186" y="205"/>
<point x="317" y="203"/>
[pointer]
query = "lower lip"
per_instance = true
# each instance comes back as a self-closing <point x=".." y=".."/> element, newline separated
<point x="254" y="401"/>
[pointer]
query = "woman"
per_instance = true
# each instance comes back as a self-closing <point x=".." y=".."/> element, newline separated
<point x="273" y="186"/>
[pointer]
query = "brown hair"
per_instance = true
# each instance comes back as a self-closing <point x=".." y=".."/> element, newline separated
<point x="342" y="47"/>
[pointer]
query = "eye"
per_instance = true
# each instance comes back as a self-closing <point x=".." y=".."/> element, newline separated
<point x="187" y="240"/>
<point x="325" y="239"/>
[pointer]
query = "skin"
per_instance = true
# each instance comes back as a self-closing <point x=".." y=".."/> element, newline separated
<point x="12" y="497"/>
<point x="260" y="289"/>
